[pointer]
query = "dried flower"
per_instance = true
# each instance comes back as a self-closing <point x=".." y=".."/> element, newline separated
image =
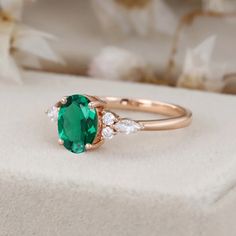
<point x="12" y="8"/>
<point x="200" y="72"/>
<point x="142" y="17"/>
<point x="219" y="5"/>
<point x="118" y="64"/>
<point x="15" y="38"/>
<point x="133" y="3"/>
<point x="230" y="83"/>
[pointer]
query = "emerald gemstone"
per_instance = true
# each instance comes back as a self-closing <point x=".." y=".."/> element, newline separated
<point x="77" y="123"/>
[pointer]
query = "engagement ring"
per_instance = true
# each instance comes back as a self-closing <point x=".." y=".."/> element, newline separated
<point x="85" y="122"/>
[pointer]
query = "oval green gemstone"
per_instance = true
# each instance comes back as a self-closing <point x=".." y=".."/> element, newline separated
<point x="77" y="123"/>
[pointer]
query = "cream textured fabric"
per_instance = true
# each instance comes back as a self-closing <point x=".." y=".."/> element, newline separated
<point x="173" y="183"/>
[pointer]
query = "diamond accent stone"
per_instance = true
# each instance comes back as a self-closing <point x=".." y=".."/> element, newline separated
<point x="107" y="133"/>
<point x="53" y="113"/>
<point x="108" y="118"/>
<point x="127" y="126"/>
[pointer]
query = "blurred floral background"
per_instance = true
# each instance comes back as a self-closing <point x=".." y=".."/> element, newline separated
<point x="183" y="43"/>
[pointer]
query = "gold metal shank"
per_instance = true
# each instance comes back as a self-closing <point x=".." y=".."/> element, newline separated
<point x="176" y="116"/>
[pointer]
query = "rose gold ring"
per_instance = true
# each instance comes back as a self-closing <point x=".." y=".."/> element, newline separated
<point x="85" y="122"/>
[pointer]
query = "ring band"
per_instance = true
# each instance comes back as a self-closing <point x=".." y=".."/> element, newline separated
<point x="178" y="117"/>
<point x="85" y="122"/>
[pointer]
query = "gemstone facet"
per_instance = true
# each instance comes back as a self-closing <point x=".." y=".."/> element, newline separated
<point x="77" y="123"/>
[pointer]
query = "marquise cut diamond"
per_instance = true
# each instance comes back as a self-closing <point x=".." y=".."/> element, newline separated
<point x="127" y="126"/>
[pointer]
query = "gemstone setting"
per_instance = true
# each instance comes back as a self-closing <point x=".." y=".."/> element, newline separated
<point x="77" y="123"/>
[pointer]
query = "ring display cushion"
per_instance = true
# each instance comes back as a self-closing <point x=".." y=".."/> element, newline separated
<point x="176" y="183"/>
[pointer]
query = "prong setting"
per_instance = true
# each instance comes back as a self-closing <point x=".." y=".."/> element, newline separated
<point x="89" y="147"/>
<point x="63" y="100"/>
<point x="95" y="104"/>
<point x="60" y="142"/>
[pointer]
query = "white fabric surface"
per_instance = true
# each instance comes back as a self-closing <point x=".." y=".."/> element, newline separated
<point x="173" y="183"/>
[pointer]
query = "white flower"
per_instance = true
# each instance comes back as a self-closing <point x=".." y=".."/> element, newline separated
<point x="200" y="71"/>
<point x="115" y="63"/>
<point x="219" y="5"/>
<point x="8" y="67"/>
<point x="16" y="37"/>
<point x="13" y="8"/>
<point x="154" y="16"/>
<point x="34" y="42"/>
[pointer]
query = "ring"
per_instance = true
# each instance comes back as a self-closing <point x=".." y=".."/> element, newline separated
<point x="85" y="122"/>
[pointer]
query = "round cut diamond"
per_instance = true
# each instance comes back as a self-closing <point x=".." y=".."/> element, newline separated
<point x="107" y="133"/>
<point x="108" y="118"/>
<point x="77" y="123"/>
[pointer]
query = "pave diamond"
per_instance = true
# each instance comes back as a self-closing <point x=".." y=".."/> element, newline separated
<point x="107" y="133"/>
<point x="53" y="113"/>
<point x="127" y="126"/>
<point x="108" y="118"/>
